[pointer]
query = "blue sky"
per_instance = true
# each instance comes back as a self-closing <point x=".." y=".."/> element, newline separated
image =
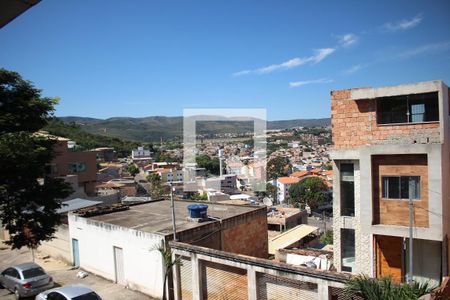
<point x="146" y="58"/>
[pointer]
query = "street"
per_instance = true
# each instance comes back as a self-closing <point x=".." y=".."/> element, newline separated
<point x="63" y="274"/>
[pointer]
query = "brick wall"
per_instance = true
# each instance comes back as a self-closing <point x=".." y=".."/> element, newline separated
<point x="248" y="236"/>
<point x="354" y="124"/>
<point x="396" y="212"/>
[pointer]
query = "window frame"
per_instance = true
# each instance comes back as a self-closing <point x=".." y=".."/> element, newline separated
<point x="382" y="191"/>
<point x="426" y="99"/>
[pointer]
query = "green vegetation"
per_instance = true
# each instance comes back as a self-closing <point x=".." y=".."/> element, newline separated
<point x="309" y="191"/>
<point x="28" y="197"/>
<point x="199" y="197"/>
<point x="152" y="129"/>
<point x="278" y="167"/>
<point x="158" y="190"/>
<point x="168" y="262"/>
<point x="271" y="192"/>
<point x="384" y="289"/>
<point x="210" y="164"/>
<point x="87" y="140"/>
<point x="132" y="169"/>
<point x="327" y="238"/>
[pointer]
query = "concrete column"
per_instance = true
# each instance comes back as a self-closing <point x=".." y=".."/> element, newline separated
<point x="322" y="290"/>
<point x="252" y="284"/>
<point x="196" y="277"/>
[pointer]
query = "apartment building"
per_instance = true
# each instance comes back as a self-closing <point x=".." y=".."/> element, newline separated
<point x="283" y="185"/>
<point x="68" y="161"/>
<point x="391" y="145"/>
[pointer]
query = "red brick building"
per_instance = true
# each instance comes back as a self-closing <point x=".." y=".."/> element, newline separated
<point x="390" y="145"/>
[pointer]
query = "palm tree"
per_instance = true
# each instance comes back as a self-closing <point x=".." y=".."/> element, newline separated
<point x="166" y="255"/>
<point x="384" y="289"/>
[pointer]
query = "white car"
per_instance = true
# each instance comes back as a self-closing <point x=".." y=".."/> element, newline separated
<point x="69" y="292"/>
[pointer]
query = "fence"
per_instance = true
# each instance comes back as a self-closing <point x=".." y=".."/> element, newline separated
<point x="212" y="274"/>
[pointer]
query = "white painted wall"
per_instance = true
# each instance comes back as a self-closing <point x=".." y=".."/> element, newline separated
<point x="143" y="266"/>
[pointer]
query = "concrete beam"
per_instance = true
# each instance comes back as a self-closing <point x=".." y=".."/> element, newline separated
<point x="404" y="89"/>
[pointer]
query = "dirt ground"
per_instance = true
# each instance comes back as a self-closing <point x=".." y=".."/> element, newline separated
<point x="63" y="274"/>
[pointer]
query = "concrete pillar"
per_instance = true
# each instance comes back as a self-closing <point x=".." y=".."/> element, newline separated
<point x="322" y="290"/>
<point x="252" y="284"/>
<point x="196" y="277"/>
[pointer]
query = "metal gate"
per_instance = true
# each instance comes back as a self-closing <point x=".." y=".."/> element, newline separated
<point x="223" y="282"/>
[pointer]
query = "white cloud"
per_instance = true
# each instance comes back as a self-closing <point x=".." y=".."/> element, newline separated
<point x="353" y="69"/>
<point x="302" y="83"/>
<point x="347" y="40"/>
<point x="424" y="49"/>
<point x="319" y="55"/>
<point x="404" y="24"/>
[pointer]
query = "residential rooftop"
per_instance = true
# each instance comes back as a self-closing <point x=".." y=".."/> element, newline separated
<point x="156" y="217"/>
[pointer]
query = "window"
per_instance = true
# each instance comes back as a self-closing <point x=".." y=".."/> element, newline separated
<point x="35" y="272"/>
<point x="56" y="296"/>
<point x="77" y="167"/>
<point x="11" y="272"/>
<point x="347" y="186"/>
<point x="348" y="249"/>
<point x="408" y="109"/>
<point x="88" y="296"/>
<point x="401" y="187"/>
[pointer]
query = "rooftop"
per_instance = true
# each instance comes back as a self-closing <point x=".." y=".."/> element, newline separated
<point x="290" y="237"/>
<point x="155" y="217"/>
<point x="288" y="180"/>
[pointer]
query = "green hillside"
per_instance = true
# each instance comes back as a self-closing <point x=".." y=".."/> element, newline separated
<point x="151" y="129"/>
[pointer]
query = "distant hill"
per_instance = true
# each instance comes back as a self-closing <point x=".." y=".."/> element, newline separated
<point x="150" y="129"/>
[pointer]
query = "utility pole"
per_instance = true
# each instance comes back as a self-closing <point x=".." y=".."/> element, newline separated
<point x="411" y="245"/>
<point x="172" y="206"/>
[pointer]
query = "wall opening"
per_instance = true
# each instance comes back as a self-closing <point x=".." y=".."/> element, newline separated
<point x="347" y="186"/>
<point x="348" y="249"/>
<point x="415" y="108"/>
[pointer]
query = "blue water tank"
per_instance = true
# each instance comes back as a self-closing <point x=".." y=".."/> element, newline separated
<point x="198" y="211"/>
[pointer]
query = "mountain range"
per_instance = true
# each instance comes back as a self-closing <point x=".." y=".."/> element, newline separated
<point x="154" y="128"/>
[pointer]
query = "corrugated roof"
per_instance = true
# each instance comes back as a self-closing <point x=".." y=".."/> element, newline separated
<point x="75" y="204"/>
<point x="290" y="237"/>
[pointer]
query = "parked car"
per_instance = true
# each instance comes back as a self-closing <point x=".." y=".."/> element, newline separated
<point x="25" y="280"/>
<point x="69" y="292"/>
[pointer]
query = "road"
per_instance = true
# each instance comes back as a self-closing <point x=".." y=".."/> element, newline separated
<point x="63" y="274"/>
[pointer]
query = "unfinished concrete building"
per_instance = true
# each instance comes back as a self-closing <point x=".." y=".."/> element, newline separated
<point x="391" y="144"/>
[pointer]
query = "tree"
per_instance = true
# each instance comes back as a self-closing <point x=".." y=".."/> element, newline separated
<point x="278" y="167"/>
<point x="132" y="169"/>
<point x="157" y="190"/>
<point x="154" y="178"/>
<point x="384" y="289"/>
<point x="327" y="238"/>
<point x="309" y="191"/>
<point x="28" y="196"/>
<point x="166" y="255"/>
<point x="212" y="165"/>
<point x="271" y="192"/>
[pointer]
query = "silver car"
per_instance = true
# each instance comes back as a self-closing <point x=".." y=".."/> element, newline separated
<point x="69" y="292"/>
<point x="26" y="280"/>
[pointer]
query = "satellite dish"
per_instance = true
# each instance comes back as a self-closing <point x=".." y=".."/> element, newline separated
<point x="267" y="201"/>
